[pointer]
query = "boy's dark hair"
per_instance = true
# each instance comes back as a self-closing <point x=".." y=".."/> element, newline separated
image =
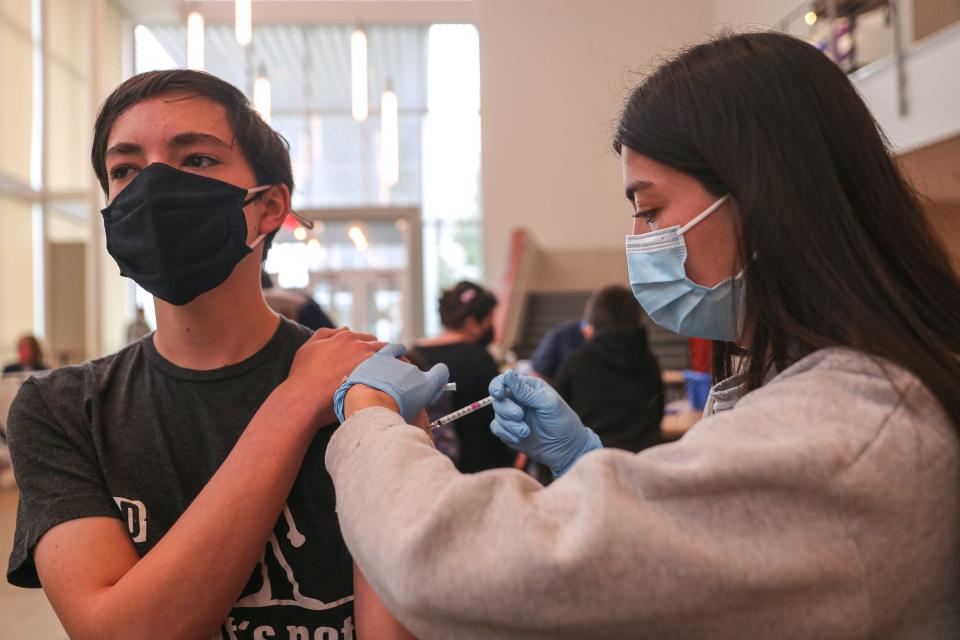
<point x="465" y="300"/>
<point x="613" y="307"/>
<point x="266" y="150"/>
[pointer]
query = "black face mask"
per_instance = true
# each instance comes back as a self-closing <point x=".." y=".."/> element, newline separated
<point x="177" y="234"/>
<point x="485" y="338"/>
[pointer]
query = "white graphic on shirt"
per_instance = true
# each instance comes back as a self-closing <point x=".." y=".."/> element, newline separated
<point x="264" y="597"/>
<point x="293" y="535"/>
<point x="294" y="631"/>
<point x="135" y="513"/>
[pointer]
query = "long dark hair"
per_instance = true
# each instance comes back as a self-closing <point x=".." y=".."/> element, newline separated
<point x="836" y="247"/>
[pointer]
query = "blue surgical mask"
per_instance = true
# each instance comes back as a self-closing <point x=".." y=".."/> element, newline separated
<point x="661" y="286"/>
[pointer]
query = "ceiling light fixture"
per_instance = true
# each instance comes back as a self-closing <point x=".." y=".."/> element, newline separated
<point x="243" y="21"/>
<point x="389" y="137"/>
<point x="358" y="75"/>
<point x="262" y="95"/>
<point x="195" y="41"/>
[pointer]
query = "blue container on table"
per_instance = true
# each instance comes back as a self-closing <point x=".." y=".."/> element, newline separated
<point x="698" y="386"/>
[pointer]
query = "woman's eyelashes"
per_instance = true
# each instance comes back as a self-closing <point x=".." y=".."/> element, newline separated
<point x="648" y="215"/>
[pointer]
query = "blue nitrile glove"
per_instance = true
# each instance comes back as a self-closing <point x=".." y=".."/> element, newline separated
<point x="531" y="417"/>
<point x="409" y="387"/>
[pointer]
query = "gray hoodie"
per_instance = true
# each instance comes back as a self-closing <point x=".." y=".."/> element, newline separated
<point x="822" y="505"/>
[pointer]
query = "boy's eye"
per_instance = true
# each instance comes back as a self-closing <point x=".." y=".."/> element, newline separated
<point x="121" y="172"/>
<point x="199" y="162"/>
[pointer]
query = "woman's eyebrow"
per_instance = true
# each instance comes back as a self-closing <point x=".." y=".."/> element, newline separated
<point x="637" y="185"/>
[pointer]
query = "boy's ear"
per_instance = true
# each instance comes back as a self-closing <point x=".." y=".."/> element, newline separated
<point x="276" y="202"/>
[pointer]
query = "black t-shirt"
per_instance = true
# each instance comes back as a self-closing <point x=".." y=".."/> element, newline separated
<point x="472" y="368"/>
<point x="135" y="437"/>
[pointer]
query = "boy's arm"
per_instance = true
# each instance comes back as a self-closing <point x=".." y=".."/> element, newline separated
<point x="373" y="619"/>
<point x="185" y="586"/>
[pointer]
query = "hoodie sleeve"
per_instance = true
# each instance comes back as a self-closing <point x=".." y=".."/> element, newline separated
<point x="713" y="536"/>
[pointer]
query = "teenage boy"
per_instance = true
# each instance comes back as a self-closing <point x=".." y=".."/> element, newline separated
<point x="177" y="489"/>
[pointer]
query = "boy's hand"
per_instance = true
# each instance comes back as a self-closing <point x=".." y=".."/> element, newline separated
<point x="323" y="363"/>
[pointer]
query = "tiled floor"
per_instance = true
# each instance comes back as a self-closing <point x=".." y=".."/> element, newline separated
<point x="25" y="614"/>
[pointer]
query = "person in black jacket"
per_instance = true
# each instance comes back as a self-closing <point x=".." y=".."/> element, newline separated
<point x="466" y="312"/>
<point x="613" y="382"/>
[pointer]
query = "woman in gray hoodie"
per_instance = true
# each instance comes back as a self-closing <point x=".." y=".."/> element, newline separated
<point x="819" y="496"/>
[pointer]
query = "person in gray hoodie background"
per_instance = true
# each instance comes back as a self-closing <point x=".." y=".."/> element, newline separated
<point x="817" y="499"/>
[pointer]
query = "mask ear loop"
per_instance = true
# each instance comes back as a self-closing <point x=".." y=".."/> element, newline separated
<point x="306" y="222"/>
<point x="255" y="193"/>
<point x="253" y="198"/>
<point x="700" y="218"/>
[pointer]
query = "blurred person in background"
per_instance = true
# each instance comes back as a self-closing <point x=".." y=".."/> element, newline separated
<point x="138" y="328"/>
<point x="466" y="313"/>
<point x="613" y="382"/>
<point x="29" y="356"/>
<point x="295" y="305"/>
<point x="558" y="343"/>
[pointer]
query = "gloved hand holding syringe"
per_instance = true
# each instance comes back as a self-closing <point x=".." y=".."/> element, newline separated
<point x="410" y="388"/>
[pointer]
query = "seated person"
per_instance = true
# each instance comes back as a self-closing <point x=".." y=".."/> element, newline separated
<point x="177" y="488"/>
<point x="613" y="382"/>
<point x="139" y="327"/>
<point x="555" y="346"/>
<point x="466" y="312"/>
<point x="29" y="357"/>
<point x="294" y="305"/>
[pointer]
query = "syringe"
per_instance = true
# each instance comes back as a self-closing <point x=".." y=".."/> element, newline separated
<point x="459" y="413"/>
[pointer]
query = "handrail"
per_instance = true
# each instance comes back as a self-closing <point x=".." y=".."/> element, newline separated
<point x="837" y="8"/>
<point x="930" y="42"/>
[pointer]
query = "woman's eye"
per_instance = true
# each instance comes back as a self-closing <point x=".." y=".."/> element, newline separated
<point x="649" y="215"/>
<point x="200" y="162"/>
<point x="121" y="172"/>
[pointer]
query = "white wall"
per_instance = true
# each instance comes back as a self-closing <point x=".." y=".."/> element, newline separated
<point x="743" y="14"/>
<point x="16" y="285"/>
<point x="553" y="79"/>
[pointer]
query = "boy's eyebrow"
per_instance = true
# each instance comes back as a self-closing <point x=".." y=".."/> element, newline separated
<point x="185" y="139"/>
<point x="193" y="137"/>
<point x="123" y="149"/>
